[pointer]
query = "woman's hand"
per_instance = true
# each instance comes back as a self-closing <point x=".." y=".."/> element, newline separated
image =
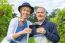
<point x="41" y="30"/>
<point x="27" y="30"/>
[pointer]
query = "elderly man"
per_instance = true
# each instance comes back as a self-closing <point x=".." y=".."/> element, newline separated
<point x="45" y="31"/>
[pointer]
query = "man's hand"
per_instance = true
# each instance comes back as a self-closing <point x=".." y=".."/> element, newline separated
<point x="41" y="30"/>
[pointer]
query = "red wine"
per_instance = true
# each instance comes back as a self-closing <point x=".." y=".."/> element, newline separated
<point x="37" y="26"/>
<point x="31" y="26"/>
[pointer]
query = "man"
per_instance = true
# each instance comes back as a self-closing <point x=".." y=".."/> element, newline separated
<point x="46" y="32"/>
<point x="19" y="26"/>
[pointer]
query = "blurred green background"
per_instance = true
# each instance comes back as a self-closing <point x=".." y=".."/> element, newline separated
<point x="57" y="16"/>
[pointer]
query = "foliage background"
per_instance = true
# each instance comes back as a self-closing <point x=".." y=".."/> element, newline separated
<point x="5" y="17"/>
<point x="57" y="17"/>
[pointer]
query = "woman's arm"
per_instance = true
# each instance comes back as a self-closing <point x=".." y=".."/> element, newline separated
<point x="11" y="30"/>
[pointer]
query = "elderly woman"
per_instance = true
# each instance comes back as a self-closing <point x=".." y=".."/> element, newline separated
<point x="44" y="31"/>
<point x="19" y="26"/>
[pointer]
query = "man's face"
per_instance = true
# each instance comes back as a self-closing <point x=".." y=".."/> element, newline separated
<point x="25" y="12"/>
<point x="40" y="14"/>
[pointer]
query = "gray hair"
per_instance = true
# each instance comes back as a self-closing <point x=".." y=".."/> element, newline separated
<point x="42" y="8"/>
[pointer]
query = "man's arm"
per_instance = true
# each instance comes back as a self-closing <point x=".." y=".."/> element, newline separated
<point x="53" y="34"/>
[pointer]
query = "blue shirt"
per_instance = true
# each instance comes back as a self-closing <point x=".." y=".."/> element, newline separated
<point x="12" y="29"/>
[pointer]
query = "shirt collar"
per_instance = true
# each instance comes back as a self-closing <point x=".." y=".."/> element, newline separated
<point x="44" y="22"/>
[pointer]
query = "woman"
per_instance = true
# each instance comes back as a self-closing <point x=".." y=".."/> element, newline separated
<point x="19" y="26"/>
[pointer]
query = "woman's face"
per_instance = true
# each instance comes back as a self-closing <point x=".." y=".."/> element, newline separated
<point x="25" y="12"/>
<point x="40" y="14"/>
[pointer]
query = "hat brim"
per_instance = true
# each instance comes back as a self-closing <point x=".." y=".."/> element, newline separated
<point x="32" y="9"/>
